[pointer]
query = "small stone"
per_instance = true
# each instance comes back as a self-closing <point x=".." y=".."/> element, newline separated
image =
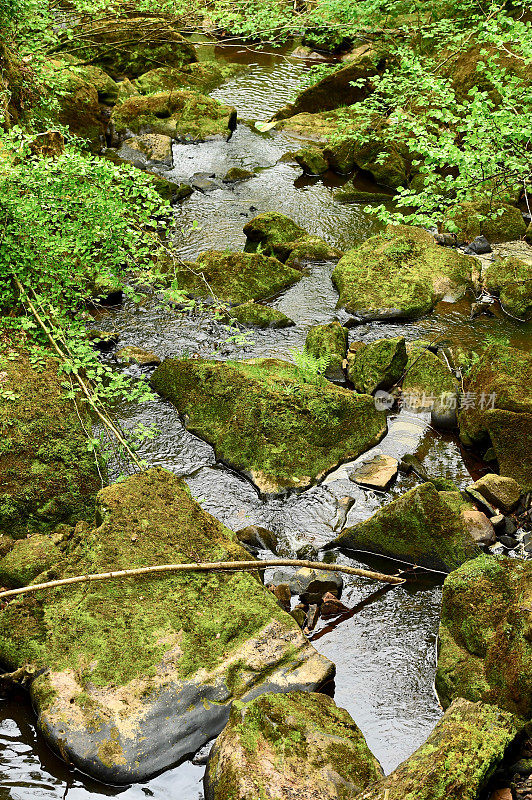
<point x="204" y="183"/>
<point x="490" y="454"/>
<point x="237" y="174"/>
<point x="376" y="473"/>
<point x="478" y="247"/>
<point x="312" y="585"/>
<point x="311" y="160"/>
<point x="508" y="541"/>
<point x="50" y="144"/>
<point x="136" y="355"/>
<point x="504" y="493"/>
<point x="498" y="521"/>
<point x="258" y="537"/>
<point x="481" y="501"/>
<point x="154" y="146"/>
<point x="283" y="595"/>
<point x="332" y="607"/>
<point x="313" y="615"/>
<point x="300" y="615"/>
<point x="478" y="526"/>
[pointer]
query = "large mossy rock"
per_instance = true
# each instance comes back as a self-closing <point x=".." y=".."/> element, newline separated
<point x="479" y="218"/>
<point x="201" y="76"/>
<point x="497" y="405"/>
<point x="233" y="277"/>
<point x="457" y="760"/>
<point x="132" y="45"/>
<point x="378" y="365"/>
<point x="336" y="89"/>
<point x="427" y="378"/>
<point x="292" y="745"/>
<point x="400" y="274"/>
<point x="329" y="343"/>
<point x="184" y="115"/>
<point x="279" y="236"/>
<point x="256" y="315"/>
<point x="423" y="527"/>
<point x="47" y="474"/>
<point x="269" y="419"/>
<point x="511" y="280"/>
<point x="134" y="675"/>
<point x="485" y="640"/>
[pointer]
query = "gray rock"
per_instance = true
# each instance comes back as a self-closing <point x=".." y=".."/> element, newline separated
<point x="204" y="182"/>
<point x="257" y="537"/>
<point x="376" y="473"/>
<point x="478" y="247"/>
<point x="443" y="412"/>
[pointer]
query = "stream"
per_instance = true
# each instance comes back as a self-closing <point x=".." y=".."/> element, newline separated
<point x="385" y="654"/>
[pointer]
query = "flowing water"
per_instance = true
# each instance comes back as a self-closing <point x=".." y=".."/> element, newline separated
<point x="384" y="650"/>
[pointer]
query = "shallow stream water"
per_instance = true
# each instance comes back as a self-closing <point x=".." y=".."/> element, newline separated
<point x="385" y="650"/>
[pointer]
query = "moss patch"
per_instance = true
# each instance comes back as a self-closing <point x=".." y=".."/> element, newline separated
<point x="201" y="77"/>
<point x="255" y="315"/>
<point x="377" y="365"/>
<point x="481" y="217"/>
<point x="427" y="377"/>
<point x="511" y="280"/>
<point x="279" y="236"/>
<point x="400" y="274"/>
<point x="267" y="419"/>
<point x="330" y="342"/>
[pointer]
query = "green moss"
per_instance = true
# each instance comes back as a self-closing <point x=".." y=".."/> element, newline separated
<point x="255" y="315"/>
<point x="457" y="760"/>
<point x="510" y="278"/>
<point x="268" y="420"/>
<point x="423" y="526"/>
<point x="400" y="274"/>
<point x="79" y="106"/>
<point x="511" y="436"/>
<point x="27" y="559"/>
<point x="233" y="277"/>
<point x="486" y="633"/>
<point x="377" y="365"/>
<point x="116" y="631"/>
<point x="481" y="217"/>
<point x="281" y="237"/>
<point x="328" y="341"/>
<point x="47" y="475"/>
<point x="182" y="114"/>
<point x="202" y="77"/>
<point x="311" y="160"/>
<point x="427" y="376"/>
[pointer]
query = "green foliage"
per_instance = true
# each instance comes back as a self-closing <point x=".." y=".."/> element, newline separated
<point x="311" y="367"/>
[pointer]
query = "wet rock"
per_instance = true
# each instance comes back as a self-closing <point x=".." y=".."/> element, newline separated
<point x="105" y="341"/>
<point x="332" y="607"/>
<point x="287" y="746"/>
<point x="311" y="249"/>
<point x="428" y="379"/>
<point x="336" y="89"/>
<point x="479" y="246"/>
<point x="153" y="146"/>
<point x="377" y="473"/>
<point x="283" y="596"/>
<point x="503" y="493"/>
<point x="378" y="365"/>
<point x="311" y="160"/>
<point x="496" y="408"/>
<point x="27" y="559"/>
<point x="256" y="315"/>
<point x="257" y="536"/>
<point x="443" y="414"/>
<point x="132" y="45"/>
<point x="168" y="190"/>
<point x="204" y="182"/>
<point x="329" y="344"/>
<point x="312" y="585"/>
<point x="351" y="194"/>
<point x="484" y="307"/>
<point x="478" y="526"/>
<point x="423" y="527"/>
<point x="233" y="277"/>
<point x="47" y="474"/>
<point x="508" y="541"/>
<point x="294" y="430"/>
<point x="457" y="760"/>
<point x="236" y="174"/>
<point x="509" y="279"/>
<point x="473" y="220"/>
<point x="311" y="620"/>
<point x="400" y="274"/>
<point x="300" y="615"/>
<point x="136" y="675"/>
<point x="280" y="236"/>
<point x="49" y="144"/>
<point x="486" y="633"/>
<point x="480" y="500"/>
<point x="201" y="77"/>
<point x="136" y="355"/>
<point x="183" y="115"/>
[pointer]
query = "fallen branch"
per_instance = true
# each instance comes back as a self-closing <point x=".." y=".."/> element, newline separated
<point x="20" y="677"/>
<point x="215" y="566"/>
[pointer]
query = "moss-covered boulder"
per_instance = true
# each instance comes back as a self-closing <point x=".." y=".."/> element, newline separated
<point x="497" y="405"/>
<point x="485" y="640"/>
<point x="352" y="194"/>
<point x="256" y="315"/>
<point x="457" y="760"/>
<point x="47" y="474"/>
<point x="378" y="365"/>
<point x="289" y="745"/>
<point x="151" y="147"/>
<point x="427" y="378"/>
<point x="311" y="160"/>
<point x="184" y="115"/>
<point x="236" y="174"/>
<point x="511" y="280"/>
<point x="336" y="89"/>
<point x="328" y="343"/>
<point x="233" y="277"/>
<point x="201" y="76"/>
<point x="28" y="558"/>
<point x="482" y="218"/>
<point x="423" y="527"/>
<point x="134" y="675"/>
<point x="400" y="274"/>
<point x="278" y="235"/>
<point x="132" y="45"/>
<point x="269" y="419"/>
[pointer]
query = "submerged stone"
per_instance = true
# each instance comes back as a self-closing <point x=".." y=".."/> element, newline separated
<point x="287" y="746"/>
<point x="400" y="274"/>
<point x="485" y="650"/>
<point x="378" y="365"/>
<point x="329" y="344"/>
<point x="233" y="277"/>
<point x="278" y="235"/>
<point x="183" y="115"/>
<point x="270" y="419"/>
<point x="457" y="760"/>
<point x="423" y="527"/>
<point x="236" y="174"/>
<point x="134" y="675"/>
<point x="256" y="315"/>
